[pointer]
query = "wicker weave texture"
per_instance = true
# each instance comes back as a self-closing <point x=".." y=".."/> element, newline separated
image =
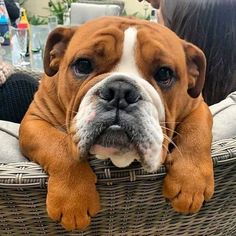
<point x="35" y="74"/>
<point x="132" y="202"/>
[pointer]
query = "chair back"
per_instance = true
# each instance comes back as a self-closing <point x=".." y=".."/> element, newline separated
<point x="82" y="12"/>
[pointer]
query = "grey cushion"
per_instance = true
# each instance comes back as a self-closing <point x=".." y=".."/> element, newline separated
<point x="9" y="148"/>
<point x="224" y="115"/>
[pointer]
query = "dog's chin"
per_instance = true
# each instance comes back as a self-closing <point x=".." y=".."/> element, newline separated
<point x="114" y="144"/>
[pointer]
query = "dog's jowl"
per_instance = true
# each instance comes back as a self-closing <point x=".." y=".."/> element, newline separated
<point x="123" y="89"/>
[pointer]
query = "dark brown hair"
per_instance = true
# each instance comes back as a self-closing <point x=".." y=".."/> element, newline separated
<point x="211" y="25"/>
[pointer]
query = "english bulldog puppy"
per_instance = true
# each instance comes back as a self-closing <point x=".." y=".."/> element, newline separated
<point x="124" y="89"/>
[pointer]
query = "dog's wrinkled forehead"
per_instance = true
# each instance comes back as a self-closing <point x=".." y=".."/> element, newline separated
<point x="110" y="39"/>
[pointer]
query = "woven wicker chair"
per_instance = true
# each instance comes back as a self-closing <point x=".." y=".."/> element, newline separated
<point x="132" y="202"/>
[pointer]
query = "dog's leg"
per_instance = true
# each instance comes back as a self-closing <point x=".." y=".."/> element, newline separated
<point x="190" y="180"/>
<point x="72" y="197"/>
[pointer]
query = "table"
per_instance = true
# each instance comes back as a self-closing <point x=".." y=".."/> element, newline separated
<point x="38" y="36"/>
<point x="36" y="61"/>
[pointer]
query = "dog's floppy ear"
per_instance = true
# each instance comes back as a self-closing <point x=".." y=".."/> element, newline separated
<point x="196" y="66"/>
<point x="55" y="48"/>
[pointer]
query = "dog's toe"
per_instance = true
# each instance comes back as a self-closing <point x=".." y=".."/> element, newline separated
<point x="182" y="203"/>
<point x="68" y="221"/>
<point x="197" y="202"/>
<point x="83" y="222"/>
<point x="171" y="188"/>
<point x="54" y="212"/>
<point x="209" y="191"/>
<point x="94" y="206"/>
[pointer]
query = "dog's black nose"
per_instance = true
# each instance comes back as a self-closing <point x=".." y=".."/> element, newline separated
<point x="119" y="94"/>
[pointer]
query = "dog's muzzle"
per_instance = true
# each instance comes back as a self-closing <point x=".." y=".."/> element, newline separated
<point x="118" y="119"/>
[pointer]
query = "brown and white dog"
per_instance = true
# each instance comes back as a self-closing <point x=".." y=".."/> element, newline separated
<point x="122" y="89"/>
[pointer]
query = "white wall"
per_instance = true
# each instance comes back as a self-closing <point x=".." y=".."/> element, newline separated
<point x="37" y="7"/>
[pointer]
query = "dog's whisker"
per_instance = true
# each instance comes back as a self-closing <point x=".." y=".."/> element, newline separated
<point x="67" y="134"/>
<point x="166" y="148"/>
<point x="132" y="138"/>
<point x="170" y="130"/>
<point x="170" y="122"/>
<point x="73" y="111"/>
<point x="173" y="143"/>
<point x="62" y="126"/>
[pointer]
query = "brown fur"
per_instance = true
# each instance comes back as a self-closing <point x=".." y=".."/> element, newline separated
<point x="46" y="133"/>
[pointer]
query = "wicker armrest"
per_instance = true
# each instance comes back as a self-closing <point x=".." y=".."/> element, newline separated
<point x="132" y="202"/>
<point x="34" y="73"/>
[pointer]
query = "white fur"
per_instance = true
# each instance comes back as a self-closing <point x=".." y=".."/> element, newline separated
<point x="127" y="62"/>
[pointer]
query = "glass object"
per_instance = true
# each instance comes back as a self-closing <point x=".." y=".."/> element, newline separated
<point x="39" y="35"/>
<point x="24" y="23"/>
<point x="19" y="39"/>
<point x="52" y="23"/>
<point x="66" y="15"/>
<point x="35" y="43"/>
<point x="43" y="35"/>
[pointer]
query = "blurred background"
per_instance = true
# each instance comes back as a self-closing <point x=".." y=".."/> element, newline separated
<point x="39" y="17"/>
<point x="40" y="9"/>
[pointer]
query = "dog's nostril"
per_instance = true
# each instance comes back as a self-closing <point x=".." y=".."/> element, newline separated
<point x="132" y="97"/>
<point x="107" y="94"/>
<point x="119" y="94"/>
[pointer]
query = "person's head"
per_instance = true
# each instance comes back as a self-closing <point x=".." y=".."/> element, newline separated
<point x="211" y="25"/>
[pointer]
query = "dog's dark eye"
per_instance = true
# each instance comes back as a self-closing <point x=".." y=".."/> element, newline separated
<point x="82" y="67"/>
<point x="164" y="76"/>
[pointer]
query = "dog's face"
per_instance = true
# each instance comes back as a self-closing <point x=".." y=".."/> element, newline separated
<point x="124" y="83"/>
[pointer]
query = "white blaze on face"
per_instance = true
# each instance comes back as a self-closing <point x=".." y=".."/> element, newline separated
<point x="151" y="108"/>
<point x="127" y="62"/>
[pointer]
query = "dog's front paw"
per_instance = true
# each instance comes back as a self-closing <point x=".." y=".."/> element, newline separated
<point x="72" y="204"/>
<point x="187" y="185"/>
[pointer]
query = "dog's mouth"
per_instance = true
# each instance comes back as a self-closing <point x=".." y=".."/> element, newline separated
<point x="114" y="136"/>
<point x="115" y="143"/>
<point x="122" y="140"/>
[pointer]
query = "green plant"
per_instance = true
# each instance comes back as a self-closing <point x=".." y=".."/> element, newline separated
<point x="58" y="8"/>
<point x="141" y="16"/>
<point x="137" y="14"/>
<point x="37" y="20"/>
